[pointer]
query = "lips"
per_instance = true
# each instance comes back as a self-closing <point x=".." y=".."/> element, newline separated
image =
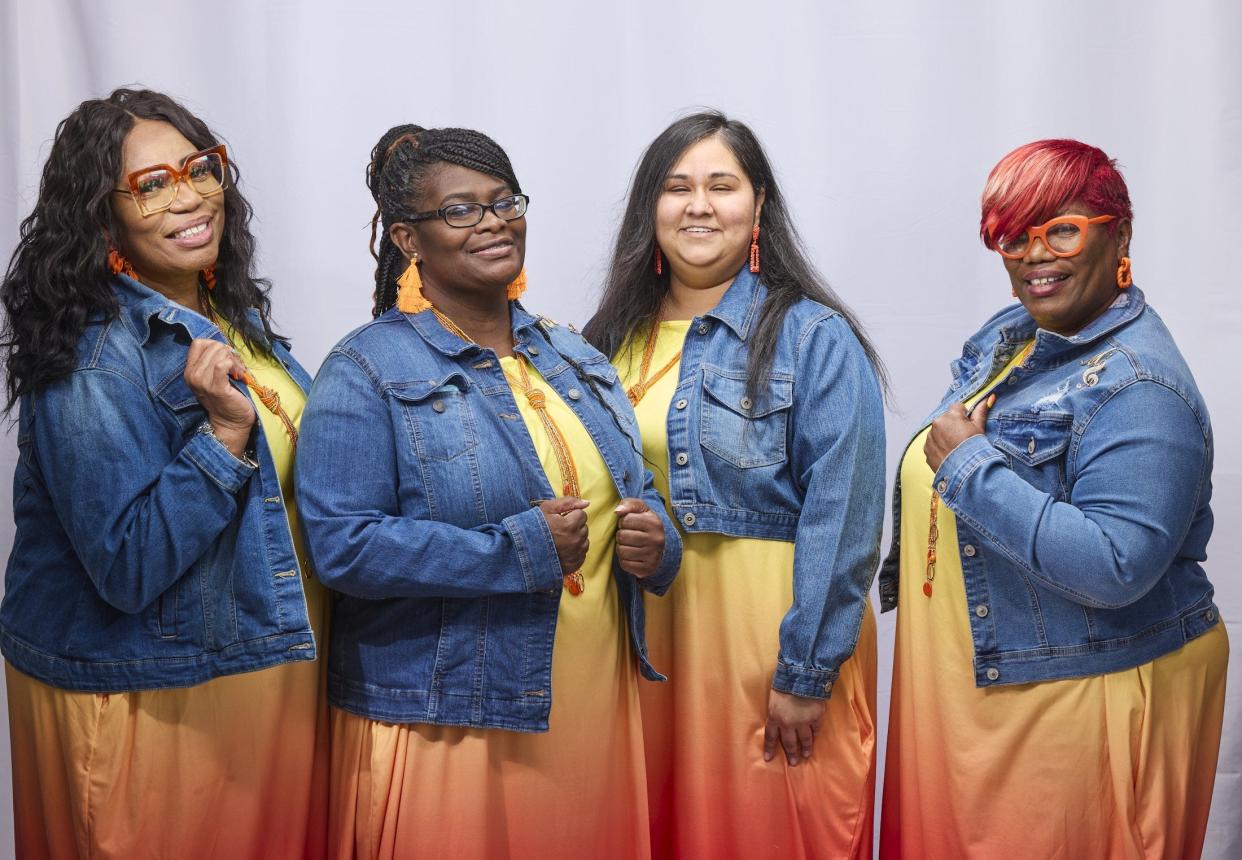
<point x="698" y="230"/>
<point x="1042" y="283"/>
<point x="195" y="234"/>
<point x="493" y="249"/>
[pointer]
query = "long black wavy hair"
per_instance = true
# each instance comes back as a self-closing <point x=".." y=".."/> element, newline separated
<point x="633" y="291"/>
<point x="400" y="164"/>
<point x="58" y="276"/>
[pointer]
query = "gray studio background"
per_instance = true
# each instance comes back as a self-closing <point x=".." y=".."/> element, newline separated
<point x="882" y="119"/>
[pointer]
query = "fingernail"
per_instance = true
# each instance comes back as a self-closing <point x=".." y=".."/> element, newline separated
<point x="767" y="756"/>
<point x="991" y="400"/>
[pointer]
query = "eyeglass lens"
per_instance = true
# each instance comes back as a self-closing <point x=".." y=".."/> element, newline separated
<point x="157" y="188"/>
<point x="469" y="214"/>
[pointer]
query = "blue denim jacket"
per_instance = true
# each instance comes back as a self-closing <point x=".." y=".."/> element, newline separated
<point x="1083" y="514"/>
<point x="418" y="488"/>
<point x="804" y="462"/>
<point x="146" y="555"/>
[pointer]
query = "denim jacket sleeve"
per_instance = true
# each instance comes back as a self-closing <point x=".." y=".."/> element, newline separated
<point x="360" y="542"/>
<point x="838" y="461"/>
<point x="660" y="581"/>
<point x="1139" y="469"/>
<point x="137" y="513"/>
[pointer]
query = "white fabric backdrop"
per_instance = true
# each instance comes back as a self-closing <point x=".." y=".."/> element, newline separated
<point x="881" y="118"/>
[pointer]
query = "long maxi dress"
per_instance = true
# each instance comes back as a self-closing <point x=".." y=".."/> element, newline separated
<point x="715" y="634"/>
<point x="1110" y="766"/>
<point x="235" y="767"/>
<point x="578" y="790"/>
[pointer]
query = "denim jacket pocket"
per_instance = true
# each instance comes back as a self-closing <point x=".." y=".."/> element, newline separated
<point x="739" y="431"/>
<point x="437" y="416"/>
<point x="1036" y="446"/>
<point x="175" y="395"/>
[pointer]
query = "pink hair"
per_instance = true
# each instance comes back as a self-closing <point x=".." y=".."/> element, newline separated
<point x="1034" y="182"/>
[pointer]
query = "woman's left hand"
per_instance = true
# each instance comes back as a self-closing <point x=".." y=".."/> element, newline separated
<point x="640" y="538"/>
<point x="953" y="428"/>
<point x="792" y="722"/>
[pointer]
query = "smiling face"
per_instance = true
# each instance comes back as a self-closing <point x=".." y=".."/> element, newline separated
<point x="1064" y="294"/>
<point x="705" y="215"/>
<point x="482" y="258"/>
<point x="166" y="249"/>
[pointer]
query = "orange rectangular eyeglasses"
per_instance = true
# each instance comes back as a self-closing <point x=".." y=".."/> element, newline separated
<point x="155" y="188"/>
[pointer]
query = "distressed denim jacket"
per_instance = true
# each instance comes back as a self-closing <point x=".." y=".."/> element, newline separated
<point x="418" y="487"/>
<point x="146" y="555"/>
<point x="802" y="461"/>
<point x="1083" y="514"/>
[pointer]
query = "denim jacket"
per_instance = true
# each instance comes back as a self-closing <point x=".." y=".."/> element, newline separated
<point x="1083" y="514"/>
<point x="418" y="488"/>
<point x="803" y="462"/>
<point x="146" y="555"/>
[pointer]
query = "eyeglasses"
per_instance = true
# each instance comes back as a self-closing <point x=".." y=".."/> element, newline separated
<point x="468" y="214"/>
<point x="1063" y="236"/>
<point x="155" y="188"/>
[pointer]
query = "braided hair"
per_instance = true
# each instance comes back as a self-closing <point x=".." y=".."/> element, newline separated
<point x="400" y="164"/>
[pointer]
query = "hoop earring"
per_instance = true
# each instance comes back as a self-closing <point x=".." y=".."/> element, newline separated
<point x="209" y="276"/>
<point x="754" y="250"/>
<point x="118" y="265"/>
<point x="517" y="286"/>
<point x="1124" y="277"/>
<point x="659" y="261"/>
<point x="410" y="299"/>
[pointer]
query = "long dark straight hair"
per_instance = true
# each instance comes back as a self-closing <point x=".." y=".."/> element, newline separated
<point x="58" y="276"/>
<point x="633" y="291"/>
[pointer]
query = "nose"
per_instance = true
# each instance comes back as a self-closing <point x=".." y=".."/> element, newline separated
<point x="1037" y="252"/>
<point x="699" y="203"/>
<point x="185" y="203"/>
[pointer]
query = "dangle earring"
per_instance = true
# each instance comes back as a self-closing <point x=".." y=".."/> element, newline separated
<point x="118" y="265"/>
<point x="754" y="250"/>
<point x="208" y="275"/>
<point x="517" y="286"/>
<point x="410" y="299"/>
<point x="1013" y="291"/>
<point x="1124" y="278"/>
<point x="659" y="261"/>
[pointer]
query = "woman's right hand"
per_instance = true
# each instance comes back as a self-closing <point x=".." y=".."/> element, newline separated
<point x="210" y="368"/>
<point x="567" y="520"/>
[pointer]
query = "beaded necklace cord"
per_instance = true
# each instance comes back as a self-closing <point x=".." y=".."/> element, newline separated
<point x="933" y="529"/>
<point x="573" y="582"/>
<point x="639" y="389"/>
<point x="269" y="397"/>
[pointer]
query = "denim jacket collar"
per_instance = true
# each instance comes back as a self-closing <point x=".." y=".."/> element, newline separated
<point x="739" y="306"/>
<point x="139" y="303"/>
<point x="1016" y="327"/>
<point x="443" y="340"/>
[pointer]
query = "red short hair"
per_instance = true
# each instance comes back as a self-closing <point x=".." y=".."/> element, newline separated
<point x="1032" y="183"/>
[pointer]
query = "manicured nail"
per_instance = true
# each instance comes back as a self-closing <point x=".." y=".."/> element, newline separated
<point x="991" y="400"/>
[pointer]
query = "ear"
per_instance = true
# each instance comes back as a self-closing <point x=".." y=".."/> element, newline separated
<point x="1124" y="231"/>
<point x="759" y="198"/>
<point x="405" y="237"/>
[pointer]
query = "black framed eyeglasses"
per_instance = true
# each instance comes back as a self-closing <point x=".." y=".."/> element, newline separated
<point x="468" y="214"/>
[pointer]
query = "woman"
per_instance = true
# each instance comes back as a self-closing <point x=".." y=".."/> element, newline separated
<point x="1060" y="666"/>
<point x="472" y="488"/>
<point x="758" y="401"/>
<point x="154" y="561"/>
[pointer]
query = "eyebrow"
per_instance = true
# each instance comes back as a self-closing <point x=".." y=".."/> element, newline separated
<point x="497" y="193"/>
<point x="719" y="174"/>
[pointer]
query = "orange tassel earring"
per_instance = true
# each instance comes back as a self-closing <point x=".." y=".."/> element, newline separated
<point x="1124" y="278"/>
<point x="754" y="250"/>
<point x="410" y="299"/>
<point x="517" y="286"/>
<point x="118" y="265"/>
<point x="209" y="276"/>
<point x="659" y="261"/>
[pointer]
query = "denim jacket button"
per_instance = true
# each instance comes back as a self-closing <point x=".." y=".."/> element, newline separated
<point x="688" y="519"/>
<point x="703" y="328"/>
<point x="1209" y="616"/>
<point x="683" y="403"/>
<point x="1030" y="446"/>
<point x="992" y="674"/>
<point x="574" y="394"/>
<point x="942" y="486"/>
<point x="745" y="403"/>
<point x="828" y="687"/>
<point x="969" y="550"/>
<point x="438" y="406"/>
<point x="981" y="610"/>
<point x="682" y="458"/>
<point x="532" y="349"/>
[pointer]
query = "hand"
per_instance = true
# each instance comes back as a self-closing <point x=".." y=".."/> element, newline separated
<point x="568" y="523"/>
<point x="640" y="538"/>
<point x="793" y="722"/>
<point x="953" y="428"/>
<point x="210" y="367"/>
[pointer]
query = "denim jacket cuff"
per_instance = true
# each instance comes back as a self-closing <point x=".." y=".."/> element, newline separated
<point x="801" y="681"/>
<point x="960" y="464"/>
<point x="536" y="552"/>
<point x="660" y="581"/>
<point x="217" y="462"/>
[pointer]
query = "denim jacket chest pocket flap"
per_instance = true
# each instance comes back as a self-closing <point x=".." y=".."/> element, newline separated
<point x="739" y="430"/>
<point x="437" y="415"/>
<point x="1033" y="439"/>
<point x="175" y="395"/>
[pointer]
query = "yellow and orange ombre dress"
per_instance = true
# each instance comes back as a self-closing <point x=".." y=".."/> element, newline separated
<point x="1104" y="767"/>
<point x="236" y="767"/>
<point x="578" y="790"/>
<point x="715" y="634"/>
